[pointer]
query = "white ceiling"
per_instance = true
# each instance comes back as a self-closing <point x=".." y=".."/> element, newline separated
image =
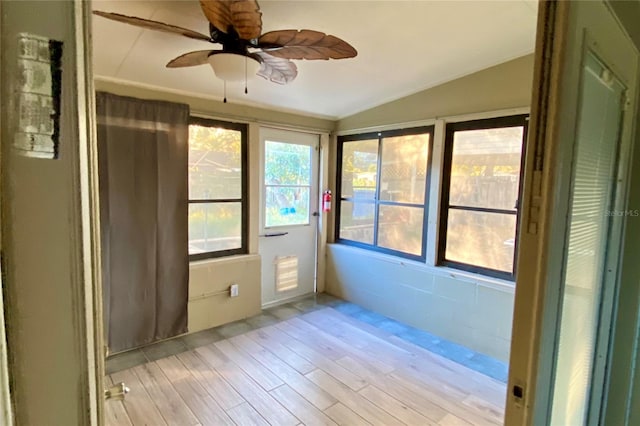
<point x="403" y="47"/>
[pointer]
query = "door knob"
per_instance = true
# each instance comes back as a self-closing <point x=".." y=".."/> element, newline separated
<point x="116" y="392"/>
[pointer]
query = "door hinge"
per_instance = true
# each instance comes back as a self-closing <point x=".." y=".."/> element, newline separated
<point x="535" y="202"/>
<point x="626" y="100"/>
<point x="116" y="392"/>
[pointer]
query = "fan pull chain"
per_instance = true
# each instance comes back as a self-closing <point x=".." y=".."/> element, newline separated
<point x="225" y="91"/>
<point x="246" y="91"/>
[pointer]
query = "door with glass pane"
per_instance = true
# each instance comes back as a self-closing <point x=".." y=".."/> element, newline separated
<point x="288" y="213"/>
<point x="591" y="247"/>
<point x="575" y="214"/>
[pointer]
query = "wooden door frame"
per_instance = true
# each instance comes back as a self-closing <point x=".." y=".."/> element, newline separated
<point x="537" y="211"/>
<point x="624" y="343"/>
<point x="88" y="181"/>
<point x="6" y="412"/>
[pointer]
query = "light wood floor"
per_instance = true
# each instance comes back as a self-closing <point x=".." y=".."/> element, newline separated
<point x="319" y="368"/>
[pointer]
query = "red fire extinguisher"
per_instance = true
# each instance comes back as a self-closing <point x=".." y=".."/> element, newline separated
<point x="326" y="201"/>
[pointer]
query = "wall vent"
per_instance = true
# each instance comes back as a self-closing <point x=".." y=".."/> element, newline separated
<point x="286" y="273"/>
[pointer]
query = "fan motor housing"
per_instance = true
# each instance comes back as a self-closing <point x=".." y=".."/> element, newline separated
<point x="233" y="66"/>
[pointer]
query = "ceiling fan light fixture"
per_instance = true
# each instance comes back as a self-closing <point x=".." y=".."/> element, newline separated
<point x="233" y="67"/>
<point x="271" y="52"/>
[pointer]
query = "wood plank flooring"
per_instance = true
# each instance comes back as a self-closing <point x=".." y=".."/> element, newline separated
<point x="320" y="368"/>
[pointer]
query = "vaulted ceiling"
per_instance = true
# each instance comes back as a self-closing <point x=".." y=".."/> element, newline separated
<point x="403" y="47"/>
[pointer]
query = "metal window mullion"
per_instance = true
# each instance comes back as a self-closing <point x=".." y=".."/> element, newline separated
<point x="338" y="183"/>
<point x="359" y="200"/>
<point x="220" y="201"/>
<point x="400" y="204"/>
<point x="483" y="209"/>
<point x="287" y="185"/>
<point x="376" y="212"/>
<point x="525" y="133"/>
<point x="427" y="184"/>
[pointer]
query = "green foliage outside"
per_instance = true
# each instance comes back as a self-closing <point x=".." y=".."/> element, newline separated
<point x="288" y="179"/>
<point x="359" y="164"/>
<point x="218" y="139"/>
<point x="287" y="164"/>
<point x="215" y="220"/>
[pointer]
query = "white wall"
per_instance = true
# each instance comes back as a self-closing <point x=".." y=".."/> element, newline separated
<point x="470" y="309"/>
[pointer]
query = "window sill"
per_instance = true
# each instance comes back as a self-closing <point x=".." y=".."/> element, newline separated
<point x="225" y="259"/>
<point x="479" y="279"/>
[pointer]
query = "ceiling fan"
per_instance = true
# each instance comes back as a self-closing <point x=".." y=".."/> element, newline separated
<point x="237" y="26"/>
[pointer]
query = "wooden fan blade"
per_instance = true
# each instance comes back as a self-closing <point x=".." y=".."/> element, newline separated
<point x="191" y="59"/>
<point x="277" y="70"/>
<point x="243" y="16"/>
<point x="306" y="44"/>
<point x="152" y="25"/>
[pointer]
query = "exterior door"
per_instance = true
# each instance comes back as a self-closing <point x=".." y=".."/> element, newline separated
<point x="576" y="208"/>
<point x="288" y="214"/>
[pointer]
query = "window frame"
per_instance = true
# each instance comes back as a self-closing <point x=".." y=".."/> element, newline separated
<point x="243" y="200"/>
<point x="445" y="187"/>
<point x="376" y="202"/>
<point x="265" y="186"/>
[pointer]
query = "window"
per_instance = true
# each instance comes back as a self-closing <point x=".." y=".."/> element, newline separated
<point x="287" y="183"/>
<point x="480" y="190"/>
<point x="217" y="189"/>
<point x="382" y="190"/>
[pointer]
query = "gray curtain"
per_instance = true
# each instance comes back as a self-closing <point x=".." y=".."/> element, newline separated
<point x="142" y="152"/>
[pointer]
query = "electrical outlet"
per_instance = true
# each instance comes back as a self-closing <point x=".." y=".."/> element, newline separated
<point x="233" y="290"/>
